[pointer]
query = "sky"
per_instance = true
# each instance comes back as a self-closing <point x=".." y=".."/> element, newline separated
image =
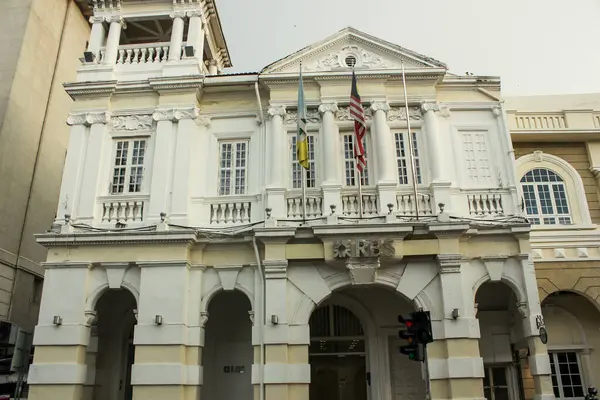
<point x="537" y="47"/>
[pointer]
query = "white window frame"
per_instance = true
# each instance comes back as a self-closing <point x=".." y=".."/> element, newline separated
<point x="480" y="177"/>
<point x="366" y="179"/>
<point x="232" y="177"/>
<point x="554" y="360"/>
<point x="128" y="165"/>
<point x="418" y="155"/>
<point x="314" y="168"/>
<point x="555" y="218"/>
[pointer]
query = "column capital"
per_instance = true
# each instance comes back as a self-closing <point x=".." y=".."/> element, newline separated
<point x="194" y="13"/>
<point x="380" y="105"/>
<point x="186" y="113"/>
<point x="178" y="14"/>
<point x="328" y="107"/>
<point x="203" y="120"/>
<point x="449" y="263"/>
<point x="114" y="18"/>
<point x="427" y="106"/>
<point x="277" y="109"/>
<point x="96" y="19"/>
<point x="88" y="118"/>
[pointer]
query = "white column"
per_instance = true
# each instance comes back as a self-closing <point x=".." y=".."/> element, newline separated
<point x="277" y="147"/>
<point x="437" y="145"/>
<point x="213" y="68"/>
<point x="196" y="33"/>
<point x="97" y="36"/>
<point x="93" y="164"/>
<point x="386" y="164"/>
<point x="329" y="138"/>
<point x="176" y="36"/>
<point x="73" y="168"/>
<point x="161" y="164"/>
<point x="186" y="129"/>
<point x="112" y="43"/>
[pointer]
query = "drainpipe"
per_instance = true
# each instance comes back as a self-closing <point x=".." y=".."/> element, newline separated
<point x="263" y="301"/>
<point x="262" y="320"/>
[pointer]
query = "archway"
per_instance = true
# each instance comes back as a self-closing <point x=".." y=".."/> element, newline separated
<point x="501" y="337"/>
<point x="113" y="333"/>
<point x="354" y="351"/>
<point x="572" y="322"/>
<point x="228" y="352"/>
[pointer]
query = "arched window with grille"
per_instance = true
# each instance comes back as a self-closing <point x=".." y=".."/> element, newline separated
<point x="545" y="197"/>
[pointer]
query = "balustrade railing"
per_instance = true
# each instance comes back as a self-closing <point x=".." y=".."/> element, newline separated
<point x="485" y="204"/>
<point x="235" y="212"/>
<point x="541" y="121"/>
<point x="146" y="53"/>
<point x="314" y="207"/>
<point x="351" y="205"/>
<point x="406" y="205"/>
<point x="122" y="210"/>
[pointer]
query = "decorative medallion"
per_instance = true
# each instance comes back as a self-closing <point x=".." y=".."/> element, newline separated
<point x="132" y="122"/>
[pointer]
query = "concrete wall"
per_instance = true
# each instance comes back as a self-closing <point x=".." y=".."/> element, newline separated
<point x="33" y="103"/>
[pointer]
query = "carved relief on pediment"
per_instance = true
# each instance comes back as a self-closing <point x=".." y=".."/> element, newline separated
<point x="345" y="57"/>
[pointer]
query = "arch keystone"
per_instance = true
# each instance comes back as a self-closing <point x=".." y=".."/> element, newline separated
<point x="228" y="275"/>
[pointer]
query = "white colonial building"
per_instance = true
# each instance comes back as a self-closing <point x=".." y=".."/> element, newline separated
<point x="180" y="266"/>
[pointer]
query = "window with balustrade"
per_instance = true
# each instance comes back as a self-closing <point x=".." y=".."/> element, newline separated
<point x="350" y="171"/>
<point x="403" y="159"/>
<point x="233" y="167"/>
<point x="128" y="166"/>
<point x="296" y="170"/>
<point x="545" y="198"/>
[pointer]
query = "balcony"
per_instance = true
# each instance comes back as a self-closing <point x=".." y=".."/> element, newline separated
<point x="122" y="209"/>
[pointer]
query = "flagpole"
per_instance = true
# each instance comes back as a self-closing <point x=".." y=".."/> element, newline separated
<point x="303" y="194"/>
<point x="360" y="198"/>
<point x="410" y="145"/>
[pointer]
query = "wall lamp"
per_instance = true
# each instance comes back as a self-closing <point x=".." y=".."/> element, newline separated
<point x="89" y="57"/>
<point x="455" y="313"/>
<point x="158" y="319"/>
<point x="189" y="51"/>
<point x="274" y="319"/>
<point x="57" y="320"/>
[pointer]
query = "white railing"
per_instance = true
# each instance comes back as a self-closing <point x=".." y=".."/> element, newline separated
<point x="227" y="213"/>
<point x="485" y="204"/>
<point x="122" y="209"/>
<point x="314" y="207"/>
<point x="146" y="53"/>
<point x="351" y="206"/>
<point x="540" y="121"/>
<point x="406" y="204"/>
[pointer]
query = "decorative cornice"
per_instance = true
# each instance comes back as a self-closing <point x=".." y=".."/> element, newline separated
<point x="328" y="107"/>
<point x="276" y="110"/>
<point x="449" y="263"/>
<point x="399" y="114"/>
<point x="175" y="83"/>
<point x="380" y="106"/>
<point x="203" y="120"/>
<point x="99" y="89"/>
<point x="50" y="240"/>
<point x="430" y="106"/>
<point x="88" y="118"/>
<point x="178" y="14"/>
<point x="312" y="115"/>
<point x="175" y="114"/>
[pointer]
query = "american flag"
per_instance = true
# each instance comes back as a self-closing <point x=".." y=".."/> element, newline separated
<point x="360" y="127"/>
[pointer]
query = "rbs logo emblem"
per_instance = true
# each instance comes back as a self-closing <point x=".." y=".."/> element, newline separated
<point x="363" y="248"/>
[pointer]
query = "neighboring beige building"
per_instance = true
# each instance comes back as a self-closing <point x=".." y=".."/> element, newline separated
<point x="557" y="146"/>
<point x="40" y="42"/>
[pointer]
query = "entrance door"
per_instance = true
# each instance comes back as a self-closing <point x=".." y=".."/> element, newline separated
<point x="337" y="355"/>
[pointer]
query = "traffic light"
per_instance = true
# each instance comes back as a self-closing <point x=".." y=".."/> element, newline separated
<point x="411" y="348"/>
<point x="423" y="331"/>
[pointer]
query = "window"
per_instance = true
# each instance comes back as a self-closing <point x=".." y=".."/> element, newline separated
<point x="495" y="383"/>
<point x="232" y="167"/>
<point x="128" y="169"/>
<point x="311" y="177"/>
<point x="566" y="375"/>
<point x="545" y="198"/>
<point x="476" y="156"/>
<point x="403" y="160"/>
<point x="350" y="170"/>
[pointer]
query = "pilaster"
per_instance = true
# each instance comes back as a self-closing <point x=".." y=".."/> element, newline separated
<point x="93" y="162"/>
<point x="275" y="190"/>
<point x="329" y="140"/>
<point x="97" y="36"/>
<point x="112" y="42"/>
<point x="386" y="164"/>
<point x="176" y="35"/>
<point x="196" y="34"/>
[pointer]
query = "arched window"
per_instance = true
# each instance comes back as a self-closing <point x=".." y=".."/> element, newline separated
<point x="545" y="198"/>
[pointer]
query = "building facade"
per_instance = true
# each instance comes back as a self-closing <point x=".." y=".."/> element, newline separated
<point x="557" y="151"/>
<point x="40" y="42"/>
<point x="184" y="267"/>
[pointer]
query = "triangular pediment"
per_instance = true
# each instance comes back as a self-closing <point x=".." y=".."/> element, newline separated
<point x="339" y="51"/>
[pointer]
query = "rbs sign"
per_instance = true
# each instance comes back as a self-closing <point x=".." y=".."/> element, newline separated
<point x="363" y="248"/>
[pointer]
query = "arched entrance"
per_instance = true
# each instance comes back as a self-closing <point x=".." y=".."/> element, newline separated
<point x="501" y="337"/>
<point x="572" y="322"/>
<point x="113" y="331"/>
<point x="228" y="352"/>
<point x="354" y="348"/>
<point x="337" y="355"/>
